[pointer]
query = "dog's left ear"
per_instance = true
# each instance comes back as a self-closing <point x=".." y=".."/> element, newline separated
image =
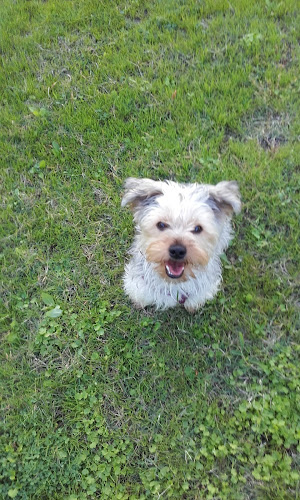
<point x="225" y="198"/>
<point x="140" y="192"/>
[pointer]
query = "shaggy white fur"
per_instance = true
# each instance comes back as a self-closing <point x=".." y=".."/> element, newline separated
<point x="193" y="219"/>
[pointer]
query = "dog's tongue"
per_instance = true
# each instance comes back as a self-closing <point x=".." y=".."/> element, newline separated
<point x="174" y="269"/>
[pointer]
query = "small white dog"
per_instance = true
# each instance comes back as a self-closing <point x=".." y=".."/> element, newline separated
<point x="182" y="229"/>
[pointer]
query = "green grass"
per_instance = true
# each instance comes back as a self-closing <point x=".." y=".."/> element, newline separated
<point x="103" y="401"/>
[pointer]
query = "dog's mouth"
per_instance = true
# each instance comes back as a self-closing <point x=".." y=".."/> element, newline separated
<point x="174" y="269"/>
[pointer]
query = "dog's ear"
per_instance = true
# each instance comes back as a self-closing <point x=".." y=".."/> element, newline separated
<point x="140" y="192"/>
<point x="225" y="198"/>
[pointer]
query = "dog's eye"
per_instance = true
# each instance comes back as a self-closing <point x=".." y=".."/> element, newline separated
<point x="197" y="229"/>
<point x="161" y="226"/>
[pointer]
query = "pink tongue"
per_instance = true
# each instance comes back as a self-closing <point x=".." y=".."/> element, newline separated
<point x="175" y="268"/>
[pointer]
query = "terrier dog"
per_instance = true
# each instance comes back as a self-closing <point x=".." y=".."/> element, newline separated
<point x="182" y="229"/>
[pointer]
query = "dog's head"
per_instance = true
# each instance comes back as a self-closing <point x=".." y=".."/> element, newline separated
<point x="180" y="224"/>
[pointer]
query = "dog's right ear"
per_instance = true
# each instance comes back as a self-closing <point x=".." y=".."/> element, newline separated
<point x="140" y="192"/>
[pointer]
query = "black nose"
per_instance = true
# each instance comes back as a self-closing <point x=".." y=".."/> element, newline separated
<point x="177" y="252"/>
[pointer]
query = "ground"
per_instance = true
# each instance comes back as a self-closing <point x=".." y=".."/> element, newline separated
<point x="100" y="400"/>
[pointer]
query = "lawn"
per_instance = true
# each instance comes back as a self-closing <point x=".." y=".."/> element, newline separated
<point x="99" y="400"/>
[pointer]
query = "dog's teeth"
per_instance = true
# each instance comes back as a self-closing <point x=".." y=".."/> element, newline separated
<point x="173" y="273"/>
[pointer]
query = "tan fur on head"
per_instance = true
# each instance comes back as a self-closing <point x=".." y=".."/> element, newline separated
<point x="158" y="253"/>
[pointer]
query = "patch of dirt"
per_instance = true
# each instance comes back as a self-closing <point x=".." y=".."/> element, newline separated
<point x="271" y="130"/>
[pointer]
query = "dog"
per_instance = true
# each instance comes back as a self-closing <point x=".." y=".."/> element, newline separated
<point x="181" y="231"/>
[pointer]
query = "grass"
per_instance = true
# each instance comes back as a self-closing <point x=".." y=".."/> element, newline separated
<point x="99" y="400"/>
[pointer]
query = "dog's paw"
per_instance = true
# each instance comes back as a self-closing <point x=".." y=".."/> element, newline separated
<point x="138" y="306"/>
<point x="191" y="309"/>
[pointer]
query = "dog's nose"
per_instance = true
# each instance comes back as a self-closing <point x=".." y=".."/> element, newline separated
<point x="177" y="252"/>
